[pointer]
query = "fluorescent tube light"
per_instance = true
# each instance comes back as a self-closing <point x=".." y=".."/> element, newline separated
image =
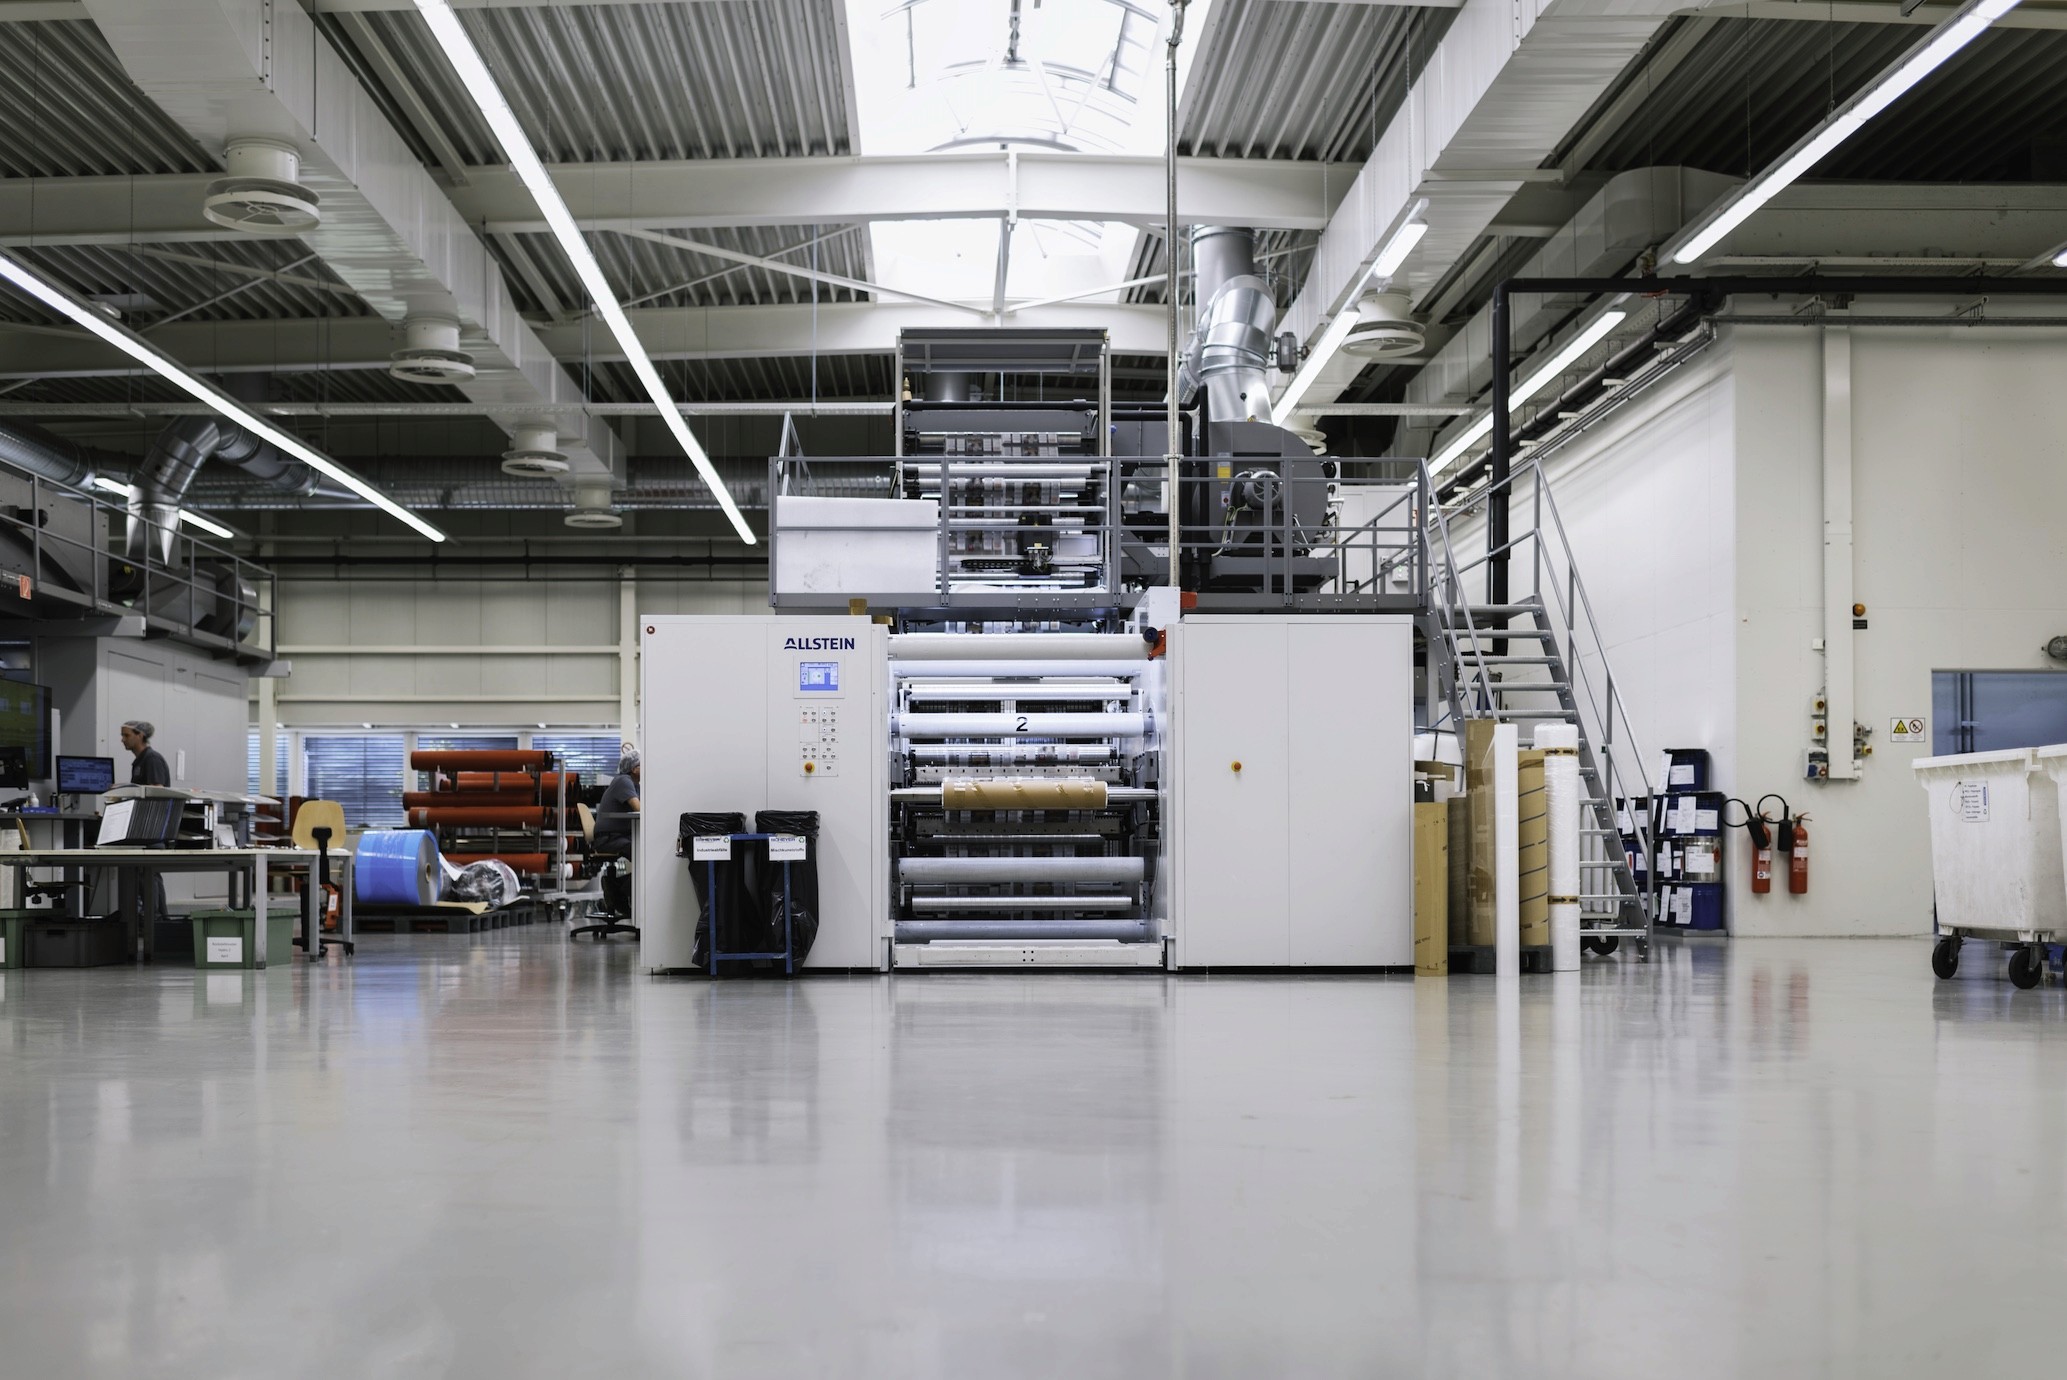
<point x="1919" y="62"/>
<point x="143" y="352"/>
<point x="110" y="486"/>
<point x="213" y="529"/>
<point x="1388" y="263"/>
<point x="473" y="74"/>
<point x="1538" y="380"/>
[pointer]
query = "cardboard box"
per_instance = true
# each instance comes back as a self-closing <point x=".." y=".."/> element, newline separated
<point x="1459" y="844"/>
<point x="1432" y="889"/>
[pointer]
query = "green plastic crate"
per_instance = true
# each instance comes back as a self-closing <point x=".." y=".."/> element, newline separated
<point x="226" y="926"/>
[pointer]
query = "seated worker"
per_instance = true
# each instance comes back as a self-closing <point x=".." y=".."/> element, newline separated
<point x="614" y="829"/>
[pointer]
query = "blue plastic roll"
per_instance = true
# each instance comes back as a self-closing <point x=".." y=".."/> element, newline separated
<point x="397" y="867"/>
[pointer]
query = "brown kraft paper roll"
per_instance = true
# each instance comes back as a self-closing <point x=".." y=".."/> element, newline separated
<point x="1023" y="793"/>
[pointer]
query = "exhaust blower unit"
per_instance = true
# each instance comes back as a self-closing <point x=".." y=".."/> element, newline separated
<point x="592" y="510"/>
<point x="260" y="195"/>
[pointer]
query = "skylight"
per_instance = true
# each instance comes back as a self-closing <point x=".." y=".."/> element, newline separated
<point x="1046" y="76"/>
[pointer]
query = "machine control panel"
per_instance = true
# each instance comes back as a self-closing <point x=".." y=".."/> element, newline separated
<point x="818" y="739"/>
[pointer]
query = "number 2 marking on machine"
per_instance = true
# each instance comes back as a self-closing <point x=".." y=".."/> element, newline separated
<point x="1019" y="724"/>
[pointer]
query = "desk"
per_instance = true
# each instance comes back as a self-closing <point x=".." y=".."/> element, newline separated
<point x="136" y="866"/>
<point x="74" y="822"/>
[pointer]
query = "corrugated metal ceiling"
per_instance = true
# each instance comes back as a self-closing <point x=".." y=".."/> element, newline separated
<point x="748" y="380"/>
<point x="646" y="273"/>
<point x="597" y="83"/>
<point x="1997" y="112"/>
<point x="238" y="280"/>
<point x="67" y="109"/>
<point x="1303" y="79"/>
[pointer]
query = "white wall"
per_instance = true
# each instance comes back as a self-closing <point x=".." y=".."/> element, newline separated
<point x="1697" y="519"/>
<point x="1959" y="556"/>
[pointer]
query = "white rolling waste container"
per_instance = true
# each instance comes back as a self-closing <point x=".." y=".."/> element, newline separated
<point x="1996" y="854"/>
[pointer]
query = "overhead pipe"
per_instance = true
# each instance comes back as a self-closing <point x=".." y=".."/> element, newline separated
<point x="48" y="455"/>
<point x="1229" y="351"/>
<point x="177" y="454"/>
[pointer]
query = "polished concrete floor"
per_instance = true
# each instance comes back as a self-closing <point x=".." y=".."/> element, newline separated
<point x="499" y="1156"/>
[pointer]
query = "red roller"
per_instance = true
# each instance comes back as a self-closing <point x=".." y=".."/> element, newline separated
<point x="549" y="782"/>
<point x="534" y="864"/>
<point x="480" y="816"/>
<point x="468" y="800"/>
<point x="481" y="759"/>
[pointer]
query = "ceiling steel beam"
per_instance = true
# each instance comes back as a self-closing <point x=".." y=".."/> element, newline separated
<point x="695" y="194"/>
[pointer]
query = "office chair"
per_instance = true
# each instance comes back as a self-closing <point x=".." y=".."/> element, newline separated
<point x="614" y="871"/>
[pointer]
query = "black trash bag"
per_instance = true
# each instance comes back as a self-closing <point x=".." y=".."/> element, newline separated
<point x="803" y="882"/>
<point x="738" y="917"/>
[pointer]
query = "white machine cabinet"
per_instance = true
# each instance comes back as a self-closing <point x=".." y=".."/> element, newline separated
<point x="1293" y="766"/>
<point x="760" y="713"/>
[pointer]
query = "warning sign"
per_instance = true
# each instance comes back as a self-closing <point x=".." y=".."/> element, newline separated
<point x="1909" y="730"/>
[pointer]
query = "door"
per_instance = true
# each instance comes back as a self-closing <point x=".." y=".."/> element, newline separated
<point x="1236" y="782"/>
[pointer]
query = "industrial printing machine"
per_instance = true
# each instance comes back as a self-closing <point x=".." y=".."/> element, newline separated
<point x="1025" y="746"/>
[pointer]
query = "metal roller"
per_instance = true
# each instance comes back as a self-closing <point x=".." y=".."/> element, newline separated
<point x="985" y="871"/>
<point x="1021" y="725"/>
<point x="1021" y="690"/>
<point x="1037" y="755"/>
<point x="931" y="795"/>
<point x="1125" y="931"/>
<point x="1016" y="646"/>
<point x="1126" y="902"/>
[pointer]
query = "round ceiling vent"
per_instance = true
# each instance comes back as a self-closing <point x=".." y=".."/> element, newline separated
<point x="259" y="195"/>
<point x="592" y="510"/>
<point x="1385" y="328"/>
<point x="535" y="453"/>
<point x="431" y="353"/>
<point x="1314" y="437"/>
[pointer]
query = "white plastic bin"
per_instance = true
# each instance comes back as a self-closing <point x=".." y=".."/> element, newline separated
<point x="1996" y="851"/>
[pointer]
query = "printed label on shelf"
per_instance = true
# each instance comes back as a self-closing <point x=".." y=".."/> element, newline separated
<point x="1683" y="774"/>
<point x="786" y="848"/>
<point x="1707" y="819"/>
<point x="713" y="848"/>
<point x="225" y="950"/>
<point x="1971" y="799"/>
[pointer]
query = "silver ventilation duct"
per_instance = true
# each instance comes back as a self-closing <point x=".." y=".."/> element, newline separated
<point x="1229" y="353"/>
<point x="177" y="454"/>
<point x="48" y="456"/>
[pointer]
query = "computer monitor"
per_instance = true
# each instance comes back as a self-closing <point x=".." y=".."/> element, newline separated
<point x="14" y="767"/>
<point x="85" y="775"/>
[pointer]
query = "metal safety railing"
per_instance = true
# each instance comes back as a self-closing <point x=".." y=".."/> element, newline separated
<point x="68" y="554"/>
<point x="1534" y="651"/>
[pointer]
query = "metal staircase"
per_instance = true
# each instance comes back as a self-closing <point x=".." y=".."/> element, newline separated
<point x="1537" y="657"/>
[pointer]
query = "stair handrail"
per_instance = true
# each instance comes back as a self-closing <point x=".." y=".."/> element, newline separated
<point x="1452" y="597"/>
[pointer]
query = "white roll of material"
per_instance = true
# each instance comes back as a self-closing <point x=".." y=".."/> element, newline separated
<point x="916" y="670"/>
<point x="1021" y="725"/>
<point x="1560" y="746"/>
<point x="988" y="871"/>
<point x="1015" y="646"/>
<point x="1507" y="853"/>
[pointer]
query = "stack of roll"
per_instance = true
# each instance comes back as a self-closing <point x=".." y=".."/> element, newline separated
<point x="508" y="805"/>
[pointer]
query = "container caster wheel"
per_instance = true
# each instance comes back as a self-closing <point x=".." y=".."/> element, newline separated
<point x="1945" y="956"/>
<point x="1603" y="946"/>
<point x="2027" y="969"/>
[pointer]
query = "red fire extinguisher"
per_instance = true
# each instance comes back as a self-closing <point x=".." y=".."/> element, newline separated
<point x="1798" y="859"/>
<point x="1761" y="857"/>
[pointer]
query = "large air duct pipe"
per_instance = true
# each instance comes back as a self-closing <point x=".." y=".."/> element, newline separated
<point x="177" y="454"/>
<point x="48" y="456"/>
<point x="1229" y="354"/>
